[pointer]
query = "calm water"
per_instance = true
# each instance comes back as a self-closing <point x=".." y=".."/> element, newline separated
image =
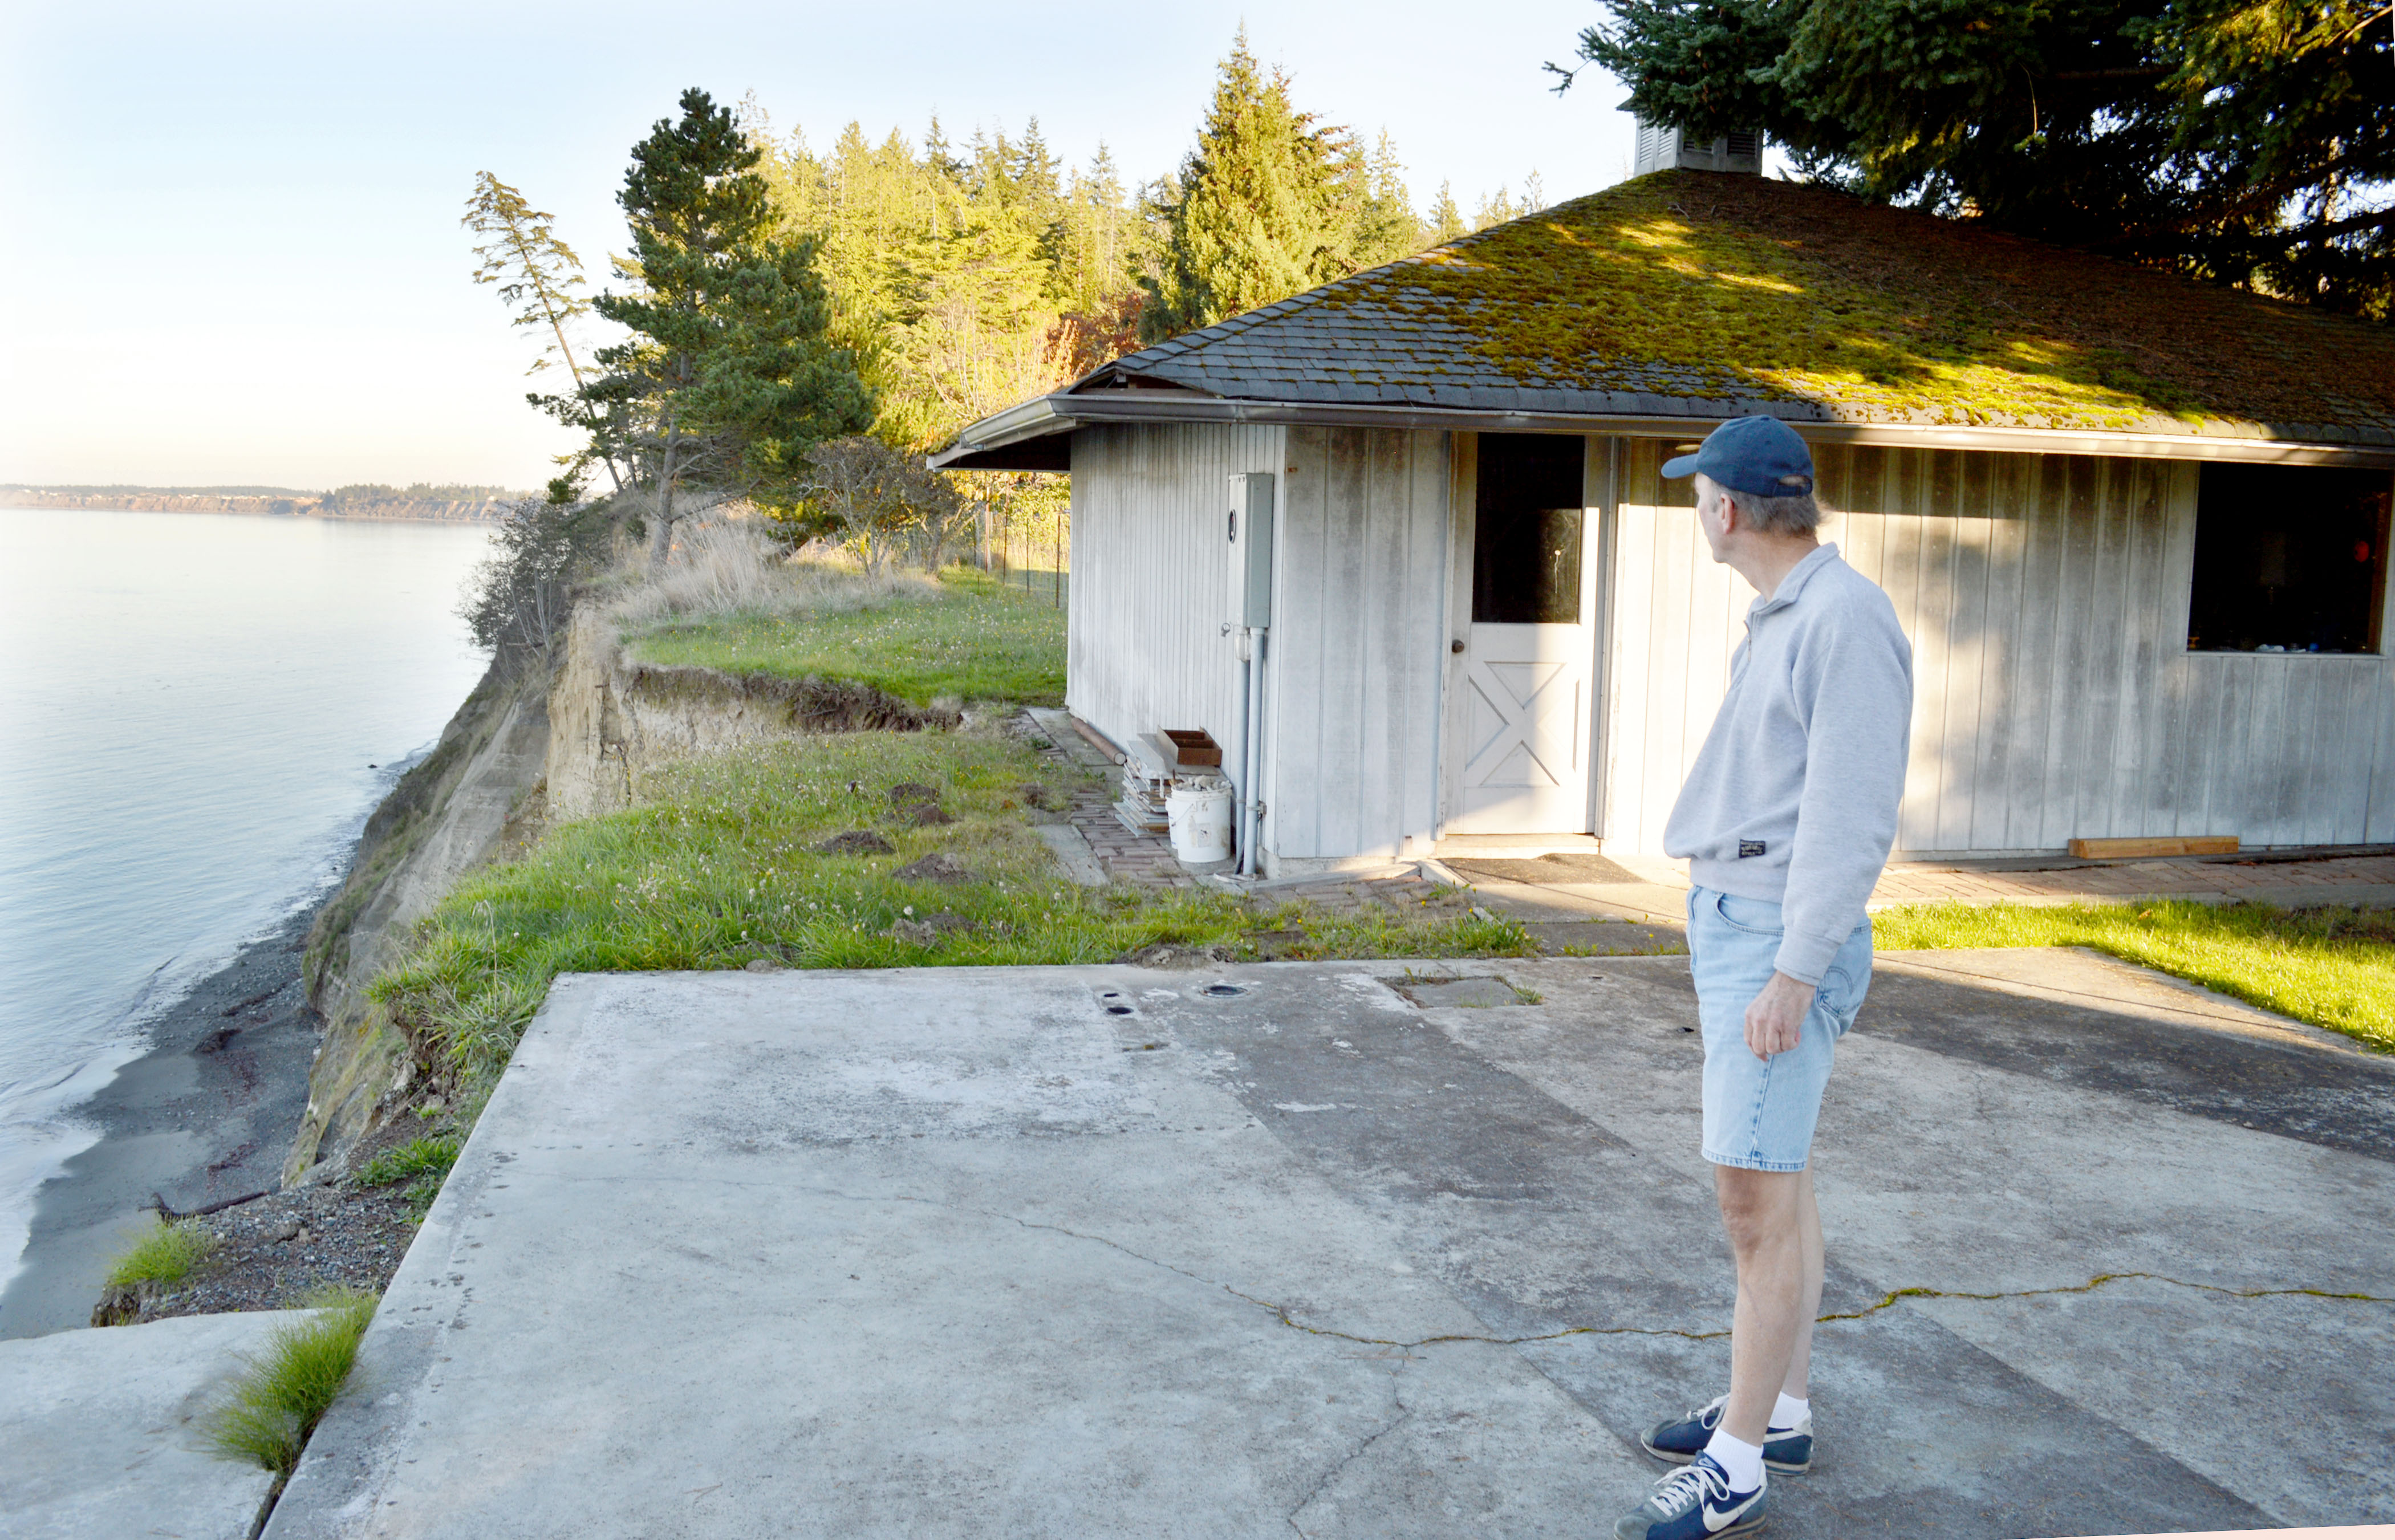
<point x="191" y="721"/>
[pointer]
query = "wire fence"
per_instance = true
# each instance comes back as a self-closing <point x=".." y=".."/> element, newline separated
<point x="1028" y="548"/>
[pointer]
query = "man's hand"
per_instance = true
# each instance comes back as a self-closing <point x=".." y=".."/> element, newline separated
<point x="1775" y="1022"/>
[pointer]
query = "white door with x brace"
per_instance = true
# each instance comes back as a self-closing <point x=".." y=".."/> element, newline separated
<point x="1527" y="679"/>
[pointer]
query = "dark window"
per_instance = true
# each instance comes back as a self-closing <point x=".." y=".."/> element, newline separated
<point x="2288" y="559"/>
<point x="1526" y="536"/>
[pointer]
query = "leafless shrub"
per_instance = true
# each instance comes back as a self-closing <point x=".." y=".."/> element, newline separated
<point x="518" y="598"/>
<point x="885" y="505"/>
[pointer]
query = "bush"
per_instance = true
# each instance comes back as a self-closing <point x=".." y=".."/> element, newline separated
<point x="883" y="504"/>
<point x="266" y="1418"/>
<point x="518" y="601"/>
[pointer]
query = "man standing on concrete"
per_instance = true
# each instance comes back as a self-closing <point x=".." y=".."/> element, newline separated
<point x="1786" y="820"/>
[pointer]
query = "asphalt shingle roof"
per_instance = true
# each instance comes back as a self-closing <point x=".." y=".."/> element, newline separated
<point x="1694" y="293"/>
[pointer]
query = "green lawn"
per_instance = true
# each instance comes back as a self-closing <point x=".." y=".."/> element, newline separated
<point x="719" y="867"/>
<point x="975" y="641"/>
<point x="2331" y="967"/>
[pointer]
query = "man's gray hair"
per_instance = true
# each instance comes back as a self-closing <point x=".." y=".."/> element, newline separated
<point x="1797" y="515"/>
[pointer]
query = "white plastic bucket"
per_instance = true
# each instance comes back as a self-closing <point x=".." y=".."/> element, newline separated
<point x="1199" y="815"/>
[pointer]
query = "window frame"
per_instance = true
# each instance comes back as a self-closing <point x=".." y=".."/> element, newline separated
<point x="2380" y="644"/>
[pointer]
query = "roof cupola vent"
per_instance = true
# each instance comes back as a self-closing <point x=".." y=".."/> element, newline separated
<point x="1663" y="149"/>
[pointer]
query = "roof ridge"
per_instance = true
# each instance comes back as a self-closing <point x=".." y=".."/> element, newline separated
<point x="1195" y="339"/>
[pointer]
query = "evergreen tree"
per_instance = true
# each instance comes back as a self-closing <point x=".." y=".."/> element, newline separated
<point x="537" y="273"/>
<point x="731" y="375"/>
<point x="1445" y="220"/>
<point x="938" y="158"/>
<point x="1495" y="210"/>
<point x="1386" y="227"/>
<point x="2247" y="141"/>
<point x="1258" y="212"/>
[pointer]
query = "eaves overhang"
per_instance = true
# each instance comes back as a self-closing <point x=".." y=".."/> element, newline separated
<point x="1005" y="437"/>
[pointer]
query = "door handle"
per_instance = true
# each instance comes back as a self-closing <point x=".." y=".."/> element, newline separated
<point x="1456" y="646"/>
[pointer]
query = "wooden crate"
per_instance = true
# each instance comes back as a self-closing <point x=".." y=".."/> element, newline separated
<point x="2160" y="845"/>
<point x="1194" y="746"/>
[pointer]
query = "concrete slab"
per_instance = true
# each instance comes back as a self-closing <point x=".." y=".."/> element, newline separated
<point x="99" y="1437"/>
<point x="1108" y="1251"/>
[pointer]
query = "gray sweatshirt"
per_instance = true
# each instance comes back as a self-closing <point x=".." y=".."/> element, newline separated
<point x="1792" y="799"/>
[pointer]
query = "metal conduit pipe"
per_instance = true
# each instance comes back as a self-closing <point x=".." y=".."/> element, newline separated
<point x="1251" y="803"/>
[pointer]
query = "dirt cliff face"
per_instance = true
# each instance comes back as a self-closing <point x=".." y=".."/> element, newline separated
<point x="612" y="717"/>
<point x="522" y="752"/>
<point x="449" y="814"/>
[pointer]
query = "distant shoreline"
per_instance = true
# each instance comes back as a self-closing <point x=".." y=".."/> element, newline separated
<point x="485" y="512"/>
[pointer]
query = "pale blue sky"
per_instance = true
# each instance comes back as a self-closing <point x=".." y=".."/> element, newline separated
<point x="231" y="251"/>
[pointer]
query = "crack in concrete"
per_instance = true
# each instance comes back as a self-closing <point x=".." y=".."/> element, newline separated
<point x="1405" y="1414"/>
<point x="1886" y="1302"/>
<point x="1282" y="1313"/>
<point x="2100" y="1281"/>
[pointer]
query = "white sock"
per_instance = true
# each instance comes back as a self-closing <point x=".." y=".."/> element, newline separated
<point x="1790" y="1412"/>
<point x="1743" y="1461"/>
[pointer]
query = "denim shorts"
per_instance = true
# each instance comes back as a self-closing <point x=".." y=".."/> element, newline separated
<point x="1759" y="1113"/>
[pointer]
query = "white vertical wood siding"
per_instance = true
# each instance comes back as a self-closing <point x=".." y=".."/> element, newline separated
<point x="1151" y="576"/>
<point x="1358" y="645"/>
<point x="2054" y="698"/>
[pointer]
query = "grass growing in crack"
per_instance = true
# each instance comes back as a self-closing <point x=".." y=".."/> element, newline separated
<point x="165" y="1254"/>
<point x="2331" y="967"/>
<point x="719" y="866"/>
<point x="426" y="1159"/>
<point x="266" y="1418"/>
<point x="970" y="639"/>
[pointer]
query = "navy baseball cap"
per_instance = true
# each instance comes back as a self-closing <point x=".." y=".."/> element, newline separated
<point x="1761" y="457"/>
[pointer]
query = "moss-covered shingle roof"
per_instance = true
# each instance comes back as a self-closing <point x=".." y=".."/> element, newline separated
<point x="1692" y="294"/>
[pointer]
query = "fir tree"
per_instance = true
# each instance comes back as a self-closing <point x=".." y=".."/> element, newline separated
<point x="2246" y="141"/>
<point x="1386" y="227"/>
<point x="1445" y="220"/>
<point x="537" y="275"/>
<point x="1257" y="212"/>
<point x="938" y="158"/>
<point x="730" y="376"/>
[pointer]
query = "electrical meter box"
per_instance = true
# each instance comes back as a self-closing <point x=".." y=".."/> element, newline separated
<point x="1251" y="529"/>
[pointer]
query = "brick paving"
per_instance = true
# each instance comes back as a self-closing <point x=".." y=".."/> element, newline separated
<point x="2332" y="879"/>
<point x="1653" y="889"/>
<point x="1147" y="861"/>
<point x="1144" y="861"/>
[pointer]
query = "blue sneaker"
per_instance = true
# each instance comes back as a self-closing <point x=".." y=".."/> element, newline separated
<point x="1694" y="1503"/>
<point x="1786" y="1451"/>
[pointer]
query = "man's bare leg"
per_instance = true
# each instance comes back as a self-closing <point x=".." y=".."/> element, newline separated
<point x="1763" y="1212"/>
<point x="1808" y="1219"/>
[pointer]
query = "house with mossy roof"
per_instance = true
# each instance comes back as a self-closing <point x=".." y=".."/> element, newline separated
<point x="1401" y="546"/>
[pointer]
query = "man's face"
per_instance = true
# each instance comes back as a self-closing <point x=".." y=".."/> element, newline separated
<point x="1712" y="514"/>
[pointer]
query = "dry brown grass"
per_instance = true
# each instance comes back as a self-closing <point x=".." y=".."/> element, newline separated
<point x="725" y="565"/>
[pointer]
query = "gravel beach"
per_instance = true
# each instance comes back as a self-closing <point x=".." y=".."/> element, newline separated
<point x="204" y="1116"/>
